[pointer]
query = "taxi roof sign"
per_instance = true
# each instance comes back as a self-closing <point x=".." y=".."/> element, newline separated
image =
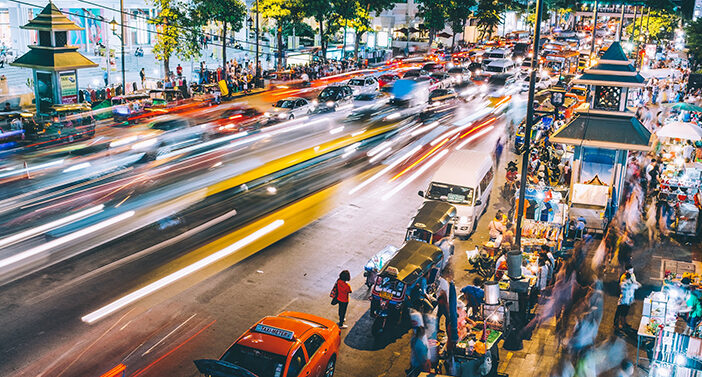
<point x="274" y="331"/>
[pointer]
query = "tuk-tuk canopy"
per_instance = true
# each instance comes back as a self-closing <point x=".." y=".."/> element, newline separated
<point x="413" y="259"/>
<point x="131" y="97"/>
<point x="72" y="108"/>
<point x="7" y="115"/>
<point x="432" y="216"/>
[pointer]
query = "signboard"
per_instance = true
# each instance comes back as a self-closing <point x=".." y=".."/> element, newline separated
<point x="370" y="39"/>
<point x="69" y="87"/>
<point x="274" y="331"/>
<point x="383" y="39"/>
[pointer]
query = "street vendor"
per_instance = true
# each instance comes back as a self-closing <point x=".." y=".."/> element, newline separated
<point x="496" y="228"/>
<point x="474" y="295"/>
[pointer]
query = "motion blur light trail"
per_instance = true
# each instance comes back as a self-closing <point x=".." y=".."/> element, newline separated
<point x="136" y="295"/>
<point x="65" y="239"/>
<point x="416" y="174"/>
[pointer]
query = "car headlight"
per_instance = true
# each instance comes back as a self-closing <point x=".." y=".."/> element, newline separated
<point x="330" y="103"/>
<point x="281" y="115"/>
<point x="477" y="71"/>
<point x="314" y="102"/>
<point x="267" y="114"/>
<point x="463" y="220"/>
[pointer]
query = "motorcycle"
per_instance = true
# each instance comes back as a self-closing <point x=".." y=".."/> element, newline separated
<point x="483" y="265"/>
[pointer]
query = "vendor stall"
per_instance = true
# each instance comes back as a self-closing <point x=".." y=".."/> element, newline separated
<point x="545" y="214"/>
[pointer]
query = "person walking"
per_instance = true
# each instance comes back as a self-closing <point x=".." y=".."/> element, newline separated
<point x="142" y="75"/>
<point x="628" y="285"/>
<point x="340" y="295"/>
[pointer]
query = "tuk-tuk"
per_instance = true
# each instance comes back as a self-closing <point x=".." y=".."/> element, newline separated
<point x="433" y="221"/>
<point x="164" y="96"/>
<point x="13" y="126"/>
<point x="130" y="105"/>
<point x="65" y="123"/>
<point x="390" y="295"/>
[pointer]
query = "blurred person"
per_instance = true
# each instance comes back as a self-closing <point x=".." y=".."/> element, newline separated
<point x="628" y="286"/>
<point x="474" y="295"/>
<point x="442" y="295"/>
<point x="419" y="351"/>
<point x="496" y="228"/>
<point x="626" y="369"/>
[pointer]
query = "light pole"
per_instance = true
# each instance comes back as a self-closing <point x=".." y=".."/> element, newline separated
<point x="113" y="26"/>
<point x="530" y="121"/>
<point x="256" y="68"/>
<point x="594" y="35"/>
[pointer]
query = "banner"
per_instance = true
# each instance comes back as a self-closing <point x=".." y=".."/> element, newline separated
<point x="69" y="87"/>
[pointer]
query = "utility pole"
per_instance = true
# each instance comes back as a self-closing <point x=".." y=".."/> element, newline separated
<point x="124" y="74"/>
<point x="594" y="34"/>
<point x="529" y="122"/>
<point x="620" y="32"/>
<point x="256" y="76"/>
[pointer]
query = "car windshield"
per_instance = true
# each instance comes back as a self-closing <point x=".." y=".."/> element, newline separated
<point x="260" y="363"/>
<point x="387" y="77"/>
<point x="365" y="97"/>
<point x="414" y="234"/>
<point x="450" y="193"/>
<point x="498" y="80"/>
<point x="455" y="70"/>
<point x="496" y="55"/>
<point x="494" y="68"/>
<point x="356" y="82"/>
<point x="437" y="75"/>
<point x="412" y="73"/>
<point x="438" y="93"/>
<point x="330" y="93"/>
<point x="285" y="104"/>
<point x="389" y="285"/>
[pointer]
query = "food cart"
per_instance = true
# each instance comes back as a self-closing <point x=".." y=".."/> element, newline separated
<point x="545" y="215"/>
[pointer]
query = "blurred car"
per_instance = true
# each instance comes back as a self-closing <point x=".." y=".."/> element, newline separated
<point x="166" y="134"/>
<point x="387" y="78"/>
<point x="239" y="118"/>
<point x="475" y="68"/>
<point x="331" y="97"/>
<point x="459" y="75"/>
<point x="291" y="344"/>
<point x="502" y="80"/>
<point x="412" y="73"/>
<point x="542" y="82"/>
<point x="367" y="97"/>
<point x="442" y="95"/>
<point x="433" y="67"/>
<point x="364" y="84"/>
<point x="289" y="108"/>
<point x="580" y="92"/>
<point x="441" y="79"/>
<point x="480" y="79"/>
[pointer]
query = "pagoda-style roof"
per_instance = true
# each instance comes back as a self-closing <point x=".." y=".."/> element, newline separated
<point x="51" y="19"/>
<point x="614" y="69"/>
<point x="610" y="131"/>
<point x="53" y="60"/>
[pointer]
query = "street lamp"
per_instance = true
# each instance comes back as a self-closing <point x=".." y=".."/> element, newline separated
<point x="113" y="26"/>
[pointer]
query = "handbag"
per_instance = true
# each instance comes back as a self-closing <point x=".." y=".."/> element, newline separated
<point x="334" y="294"/>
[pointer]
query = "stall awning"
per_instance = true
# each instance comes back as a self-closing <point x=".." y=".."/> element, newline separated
<point x="609" y="131"/>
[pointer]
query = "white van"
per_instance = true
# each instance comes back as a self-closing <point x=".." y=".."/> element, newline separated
<point x="499" y="66"/>
<point x="465" y="180"/>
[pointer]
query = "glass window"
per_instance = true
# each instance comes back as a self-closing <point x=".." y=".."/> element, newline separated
<point x="296" y="363"/>
<point x="260" y="363"/>
<point x="312" y="344"/>
<point x="450" y="193"/>
<point x="301" y="102"/>
<point x="356" y="82"/>
<point x="285" y="104"/>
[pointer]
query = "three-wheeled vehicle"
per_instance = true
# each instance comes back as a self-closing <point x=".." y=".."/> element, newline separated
<point x="65" y="124"/>
<point x="433" y="221"/>
<point x="127" y="106"/>
<point x="390" y="295"/>
<point x="13" y="126"/>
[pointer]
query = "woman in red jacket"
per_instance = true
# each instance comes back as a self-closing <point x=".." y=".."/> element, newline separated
<point x="342" y="295"/>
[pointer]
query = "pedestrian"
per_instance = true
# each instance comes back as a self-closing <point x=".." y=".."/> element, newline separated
<point x="340" y="295"/>
<point x="419" y="351"/>
<point x="142" y="75"/>
<point x="442" y="296"/>
<point x="628" y="285"/>
<point x="495" y="229"/>
<point x="104" y="77"/>
<point x="474" y="295"/>
<point x="179" y="70"/>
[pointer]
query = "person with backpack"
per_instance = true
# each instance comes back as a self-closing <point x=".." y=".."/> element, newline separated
<point x="340" y="295"/>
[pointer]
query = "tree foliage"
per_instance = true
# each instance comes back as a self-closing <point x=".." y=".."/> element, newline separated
<point x="694" y="42"/>
<point x="489" y="15"/>
<point x="283" y="12"/>
<point x="660" y="24"/>
<point x="434" y="13"/>
<point x="230" y="13"/>
<point x="177" y="31"/>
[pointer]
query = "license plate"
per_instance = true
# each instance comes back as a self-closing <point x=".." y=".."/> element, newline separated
<point x="385" y="295"/>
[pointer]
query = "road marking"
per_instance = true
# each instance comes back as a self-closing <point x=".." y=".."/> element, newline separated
<point x="286" y="305"/>
<point x="169" y="334"/>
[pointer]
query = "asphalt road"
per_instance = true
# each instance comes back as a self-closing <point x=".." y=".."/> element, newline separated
<point x="200" y="315"/>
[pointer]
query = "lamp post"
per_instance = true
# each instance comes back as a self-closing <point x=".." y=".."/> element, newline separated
<point x="594" y="35"/>
<point x="256" y="67"/>
<point x="113" y="26"/>
<point x="530" y="120"/>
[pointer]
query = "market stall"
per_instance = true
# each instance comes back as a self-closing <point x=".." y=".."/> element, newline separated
<point x="679" y="178"/>
<point x="545" y="214"/>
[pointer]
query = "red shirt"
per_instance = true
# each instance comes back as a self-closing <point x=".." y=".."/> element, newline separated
<point x="343" y="289"/>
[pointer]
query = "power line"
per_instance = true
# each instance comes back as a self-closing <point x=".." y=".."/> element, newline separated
<point x="217" y="44"/>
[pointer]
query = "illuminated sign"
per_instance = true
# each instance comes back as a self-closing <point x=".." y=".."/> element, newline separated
<point x="280" y="333"/>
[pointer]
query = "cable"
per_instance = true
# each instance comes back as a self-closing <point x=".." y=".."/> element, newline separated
<point x="217" y="44"/>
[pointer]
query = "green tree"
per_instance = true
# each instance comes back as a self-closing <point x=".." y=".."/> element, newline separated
<point x="178" y="31"/>
<point x="659" y="24"/>
<point x="489" y="15"/>
<point x="434" y="13"/>
<point x="230" y="13"/>
<point x="694" y="42"/>
<point x="458" y="12"/>
<point x="283" y="12"/>
<point x="320" y="10"/>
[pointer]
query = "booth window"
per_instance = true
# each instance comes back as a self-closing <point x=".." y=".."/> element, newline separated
<point x="61" y="38"/>
<point x="45" y="38"/>
<point x="607" y="97"/>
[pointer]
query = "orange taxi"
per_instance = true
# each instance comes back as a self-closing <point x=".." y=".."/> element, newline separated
<point x="290" y="344"/>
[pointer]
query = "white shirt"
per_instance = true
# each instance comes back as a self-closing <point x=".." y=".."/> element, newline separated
<point x="443" y="286"/>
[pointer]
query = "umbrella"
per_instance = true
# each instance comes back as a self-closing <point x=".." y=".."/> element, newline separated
<point x="444" y="34"/>
<point x="680" y="130"/>
<point x="413" y="30"/>
<point x="402" y="30"/>
<point x="684" y="106"/>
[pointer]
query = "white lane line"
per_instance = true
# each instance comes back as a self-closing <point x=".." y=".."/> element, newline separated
<point x="167" y="335"/>
<point x="65" y="239"/>
<point x="183" y="272"/>
<point x="43" y="228"/>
